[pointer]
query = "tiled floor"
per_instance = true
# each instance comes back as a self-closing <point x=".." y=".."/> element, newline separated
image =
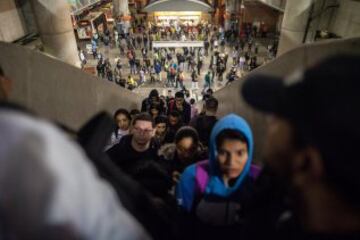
<point x="113" y="53"/>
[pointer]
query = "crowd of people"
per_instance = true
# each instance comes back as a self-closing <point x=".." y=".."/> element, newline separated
<point x="172" y="67"/>
<point x="171" y="171"/>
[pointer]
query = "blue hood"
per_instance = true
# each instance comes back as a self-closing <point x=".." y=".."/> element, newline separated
<point x="216" y="185"/>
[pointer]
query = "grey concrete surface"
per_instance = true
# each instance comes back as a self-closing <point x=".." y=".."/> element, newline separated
<point x="121" y="8"/>
<point x="302" y="57"/>
<point x="346" y="22"/>
<point x="56" y="30"/>
<point x="12" y="25"/>
<point x="59" y="91"/>
<point x="294" y="24"/>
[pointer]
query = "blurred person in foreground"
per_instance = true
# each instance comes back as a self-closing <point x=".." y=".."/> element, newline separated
<point x="49" y="190"/>
<point x="311" y="147"/>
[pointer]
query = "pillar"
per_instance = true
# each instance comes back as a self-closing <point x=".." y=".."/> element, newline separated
<point x="121" y="8"/>
<point x="294" y="24"/>
<point x="230" y="10"/>
<point x="55" y="28"/>
<point x="12" y="23"/>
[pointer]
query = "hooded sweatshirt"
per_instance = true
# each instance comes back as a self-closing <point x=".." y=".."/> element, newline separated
<point x="201" y="187"/>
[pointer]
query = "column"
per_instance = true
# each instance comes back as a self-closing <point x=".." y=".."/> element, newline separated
<point x="56" y="31"/>
<point x="294" y="24"/>
<point x="230" y="10"/>
<point x="121" y="8"/>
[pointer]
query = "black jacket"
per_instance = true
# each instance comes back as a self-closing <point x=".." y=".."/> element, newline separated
<point x="146" y="104"/>
<point x="128" y="159"/>
<point x="185" y="113"/>
<point x="204" y="125"/>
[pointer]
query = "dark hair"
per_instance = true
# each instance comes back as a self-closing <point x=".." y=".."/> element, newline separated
<point x="123" y="112"/>
<point x="179" y="95"/>
<point x="185" y="132"/>
<point x="212" y="104"/>
<point x="192" y="101"/>
<point x="153" y="93"/>
<point x="1" y="72"/>
<point x="143" y="117"/>
<point x="230" y="134"/>
<point x="134" y="112"/>
<point x="161" y="119"/>
<point x="174" y="114"/>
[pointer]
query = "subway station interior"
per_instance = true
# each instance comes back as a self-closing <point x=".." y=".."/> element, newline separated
<point x="179" y="119"/>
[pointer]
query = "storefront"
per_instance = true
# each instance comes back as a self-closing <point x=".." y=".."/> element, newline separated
<point x="166" y="19"/>
<point x="177" y="12"/>
<point x="90" y="16"/>
<point x="94" y="22"/>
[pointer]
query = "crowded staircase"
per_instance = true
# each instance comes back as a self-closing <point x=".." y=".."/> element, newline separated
<point x="135" y="179"/>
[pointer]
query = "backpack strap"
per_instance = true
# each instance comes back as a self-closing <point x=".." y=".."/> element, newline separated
<point x="201" y="177"/>
<point x="255" y="171"/>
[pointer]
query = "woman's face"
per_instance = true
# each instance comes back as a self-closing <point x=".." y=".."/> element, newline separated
<point x="122" y="122"/>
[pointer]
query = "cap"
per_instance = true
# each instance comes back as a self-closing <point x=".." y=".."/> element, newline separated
<point x="327" y="93"/>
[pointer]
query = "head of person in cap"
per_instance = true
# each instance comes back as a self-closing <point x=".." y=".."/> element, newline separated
<point x="312" y="140"/>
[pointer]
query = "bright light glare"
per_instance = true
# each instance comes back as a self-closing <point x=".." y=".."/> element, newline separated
<point x="185" y="13"/>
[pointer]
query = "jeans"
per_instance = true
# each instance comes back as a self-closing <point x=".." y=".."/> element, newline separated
<point x="133" y="69"/>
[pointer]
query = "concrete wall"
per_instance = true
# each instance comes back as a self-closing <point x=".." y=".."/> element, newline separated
<point x="298" y="58"/>
<point x="12" y="24"/>
<point x="262" y="13"/>
<point x="346" y="22"/>
<point x="294" y="24"/>
<point x="277" y="4"/>
<point x="57" y="90"/>
<point x="28" y="14"/>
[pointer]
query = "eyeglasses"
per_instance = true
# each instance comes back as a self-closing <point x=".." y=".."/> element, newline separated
<point x="143" y="131"/>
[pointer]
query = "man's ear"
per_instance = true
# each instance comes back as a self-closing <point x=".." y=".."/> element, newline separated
<point x="307" y="166"/>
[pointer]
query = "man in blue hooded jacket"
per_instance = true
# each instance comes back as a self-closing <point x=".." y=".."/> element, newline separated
<point x="214" y="190"/>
